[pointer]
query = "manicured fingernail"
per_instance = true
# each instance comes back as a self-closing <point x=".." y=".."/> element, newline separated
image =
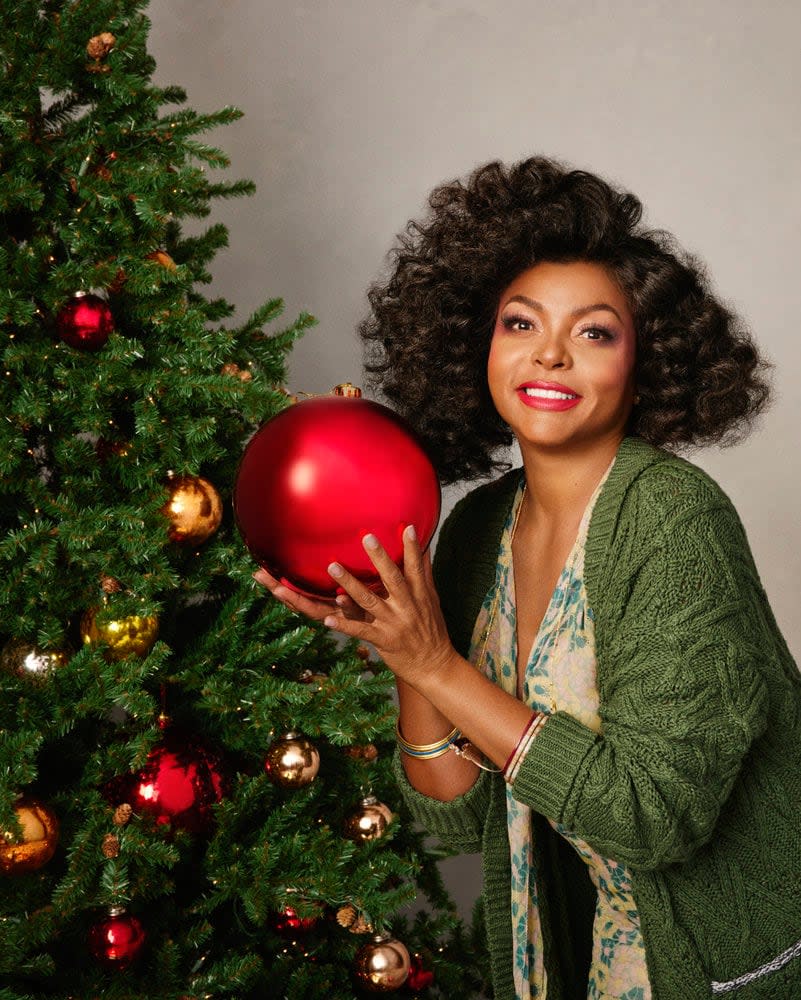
<point x="341" y="600"/>
<point x="411" y="534"/>
<point x="370" y="542"/>
<point x="335" y="569"/>
<point x="330" y="621"/>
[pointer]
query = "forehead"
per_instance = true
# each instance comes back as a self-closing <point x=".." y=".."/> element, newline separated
<point x="563" y="286"/>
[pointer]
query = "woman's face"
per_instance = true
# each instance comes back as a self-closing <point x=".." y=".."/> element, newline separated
<point x="561" y="361"/>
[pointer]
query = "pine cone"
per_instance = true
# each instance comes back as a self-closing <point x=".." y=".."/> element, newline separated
<point x="100" y="45"/>
<point x="122" y="814"/>
<point x="346" y="915"/>
<point x="360" y="926"/>
<point x="111" y="846"/>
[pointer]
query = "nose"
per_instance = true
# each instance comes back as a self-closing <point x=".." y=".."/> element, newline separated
<point x="551" y="351"/>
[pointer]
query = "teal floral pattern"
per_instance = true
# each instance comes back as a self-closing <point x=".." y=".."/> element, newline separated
<point x="560" y="673"/>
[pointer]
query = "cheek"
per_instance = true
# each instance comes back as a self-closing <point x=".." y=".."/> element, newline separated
<point x="617" y="370"/>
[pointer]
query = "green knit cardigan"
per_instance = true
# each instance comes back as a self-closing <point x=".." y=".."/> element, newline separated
<point x="695" y="781"/>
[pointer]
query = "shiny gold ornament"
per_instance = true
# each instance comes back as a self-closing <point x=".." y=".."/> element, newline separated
<point x="369" y="822"/>
<point x="39" y="838"/>
<point x="194" y="509"/>
<point x="292" y="761"/>
<point x="382" y="965"/>
<point x="134" y="634"/>
<point x="25" y="659"/>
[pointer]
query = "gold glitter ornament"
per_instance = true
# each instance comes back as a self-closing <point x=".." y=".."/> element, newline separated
<point x="369" y="822"/>
<point x="25" y="659"/>
<point x="194" y="509"/>
<point x="131" y="635"/>
<point x="292" y="761"/>
<point x="39" y="838"/>
<point x="382" y="965"/>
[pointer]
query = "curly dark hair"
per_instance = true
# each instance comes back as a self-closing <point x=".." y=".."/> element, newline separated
<point x="699" y="375"/>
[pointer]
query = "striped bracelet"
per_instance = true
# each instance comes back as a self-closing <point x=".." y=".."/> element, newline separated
<point x="426" y="751"/>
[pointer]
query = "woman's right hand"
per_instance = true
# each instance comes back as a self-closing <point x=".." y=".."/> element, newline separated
<point x="317" y="609"/>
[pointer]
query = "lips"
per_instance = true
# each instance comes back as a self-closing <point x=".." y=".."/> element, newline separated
<point x="548" y="396"/>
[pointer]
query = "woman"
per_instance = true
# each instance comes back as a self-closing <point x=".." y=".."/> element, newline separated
<point x="593" y="690"/>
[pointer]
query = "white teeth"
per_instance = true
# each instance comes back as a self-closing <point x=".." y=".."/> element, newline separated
<point x="549" y="394"/>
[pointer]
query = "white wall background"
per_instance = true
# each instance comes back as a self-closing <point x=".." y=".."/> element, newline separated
<point x="355" y="110"/>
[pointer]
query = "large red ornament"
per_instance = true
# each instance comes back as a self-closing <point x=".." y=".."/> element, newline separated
<point x="319" y="476"/>
<point x="179" y="784"/>
<point x="85" y="322"/>
<point x="117" y="940"/>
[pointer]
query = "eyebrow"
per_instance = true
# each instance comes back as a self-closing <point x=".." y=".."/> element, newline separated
<point x="578" y="311"/>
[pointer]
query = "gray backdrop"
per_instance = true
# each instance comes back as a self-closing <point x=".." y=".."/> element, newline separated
<point x="355" y="110"/>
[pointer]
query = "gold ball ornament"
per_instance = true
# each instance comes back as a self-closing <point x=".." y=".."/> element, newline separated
<point x="194" y="509"/>
<point x="132" y="635"/>
<point x="382" y="965"/>
<point x="292" y="761"/>
<point x="25" y="659"/>
<point x="39" y="838"/>
<point x="369" y="822"/>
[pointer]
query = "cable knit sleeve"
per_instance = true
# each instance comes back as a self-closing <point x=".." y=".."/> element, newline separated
<point x="681" y="640"/>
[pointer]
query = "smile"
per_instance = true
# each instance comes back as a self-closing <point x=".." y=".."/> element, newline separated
<point x="549" y="394"/>
<point x="541" y="396"/>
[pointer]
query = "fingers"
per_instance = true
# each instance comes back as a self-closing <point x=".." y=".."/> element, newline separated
<point x="294" y="601"/>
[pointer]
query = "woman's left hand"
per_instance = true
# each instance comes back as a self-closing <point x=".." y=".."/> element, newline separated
<point x="405" y="624"/>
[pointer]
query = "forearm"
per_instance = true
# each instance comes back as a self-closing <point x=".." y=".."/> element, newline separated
<point x="458" y="695"/>
<point x="444" y="777"/>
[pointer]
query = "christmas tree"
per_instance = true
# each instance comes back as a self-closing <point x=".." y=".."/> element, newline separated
<point x="195" y="790"/>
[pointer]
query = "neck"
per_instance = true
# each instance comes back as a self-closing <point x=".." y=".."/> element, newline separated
<point x="559" y="483"/>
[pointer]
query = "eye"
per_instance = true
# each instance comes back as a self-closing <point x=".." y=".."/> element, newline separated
<point x="597" y="333"/>
<point x="514" y="322"/>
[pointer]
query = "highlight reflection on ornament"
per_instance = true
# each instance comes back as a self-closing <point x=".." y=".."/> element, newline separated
<point x="25" y="659"/>
<point x="39" y="838"/>
<point x="131" y="635"/>
<point x="194" y="509"/>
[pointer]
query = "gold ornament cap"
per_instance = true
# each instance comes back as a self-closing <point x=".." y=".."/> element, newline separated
<point x="347" y="389"/>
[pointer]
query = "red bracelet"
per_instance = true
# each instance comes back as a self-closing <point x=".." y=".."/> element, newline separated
<point x="523" y="735"/>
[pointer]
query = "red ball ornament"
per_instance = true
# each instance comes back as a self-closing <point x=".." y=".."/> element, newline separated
<point x="179" y="784"/>
<point x="287" y="922"/>
<point x="85" y="322"/>
<point x="319" y="476"/>
<point x="117" y="940"/>
<point x="419" y="978"/>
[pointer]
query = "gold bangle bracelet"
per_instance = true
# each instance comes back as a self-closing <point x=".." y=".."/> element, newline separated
<point x="426" y="751"/>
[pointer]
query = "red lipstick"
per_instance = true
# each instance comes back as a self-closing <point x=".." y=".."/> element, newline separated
<point x="548" y="396"/>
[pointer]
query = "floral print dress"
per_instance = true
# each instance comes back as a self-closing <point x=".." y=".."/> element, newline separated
<point x="560" y="670"/>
